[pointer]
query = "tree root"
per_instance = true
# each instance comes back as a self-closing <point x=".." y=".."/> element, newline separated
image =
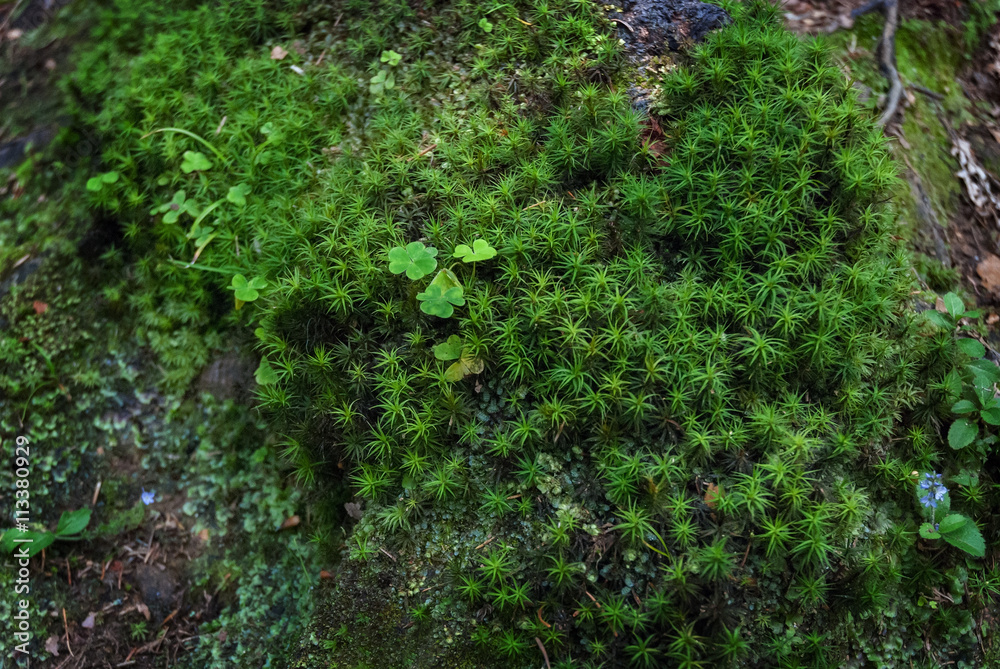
<point x="885" y="52"/>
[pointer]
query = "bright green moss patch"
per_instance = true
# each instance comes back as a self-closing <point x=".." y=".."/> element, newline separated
<point x="691" y="400"/>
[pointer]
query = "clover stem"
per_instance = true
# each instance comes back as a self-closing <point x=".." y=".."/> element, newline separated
<point x="191" y="135"/>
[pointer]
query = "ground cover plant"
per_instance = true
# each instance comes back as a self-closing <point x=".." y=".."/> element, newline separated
<point x="610" y="386"/>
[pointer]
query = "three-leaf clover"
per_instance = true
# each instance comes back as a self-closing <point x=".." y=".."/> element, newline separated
<point x="247" y="291"/>
<point x="442" y="296"/>
<point x="449" y="350"/>
<point x="481" y="250"/>
<point x="466" y="363"/>
<point x="178" y="205"/>
<point x="238" y="194"/>
<point x="391" y="57"/>
<point x="416" y="260"/>
<point x="485" y="25"/>
<point x="381" y="82"/>
<point x="97" y="183"/>
<point x="195" y="161"/>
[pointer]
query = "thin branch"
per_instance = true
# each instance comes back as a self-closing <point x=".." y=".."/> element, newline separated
<point x="885" y="52"/>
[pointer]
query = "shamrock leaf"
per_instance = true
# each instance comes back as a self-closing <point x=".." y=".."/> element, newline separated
<point x="267" y="128"/>
<point x="391" y="57"/>
<point x="265" y="374"/>
<point x="246" y="291"/>
<point x="382" y="82"/>
<point x="238" y="194"/>
<point x="449" y="350"/>
<point x="481" y="250"/>
<point x="195" y="161"/>
<point x="97" y="183"/>
<point x="178" y="205"/>
<point x="416" y="260"/>
<point x="485" y="25"/>
<point x="444" y="292"/>
<point x="468" y="364"/>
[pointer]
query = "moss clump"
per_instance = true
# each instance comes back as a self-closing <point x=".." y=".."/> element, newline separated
<point x="678" y="378"/>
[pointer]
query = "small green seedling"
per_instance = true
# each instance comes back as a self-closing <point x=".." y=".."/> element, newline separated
<point x="416" y="260"/>
<point x="247" y="291"/>
<point x="391" y="57"/>
<point x="466" y="364"/>
<point x="954" y="312"/>
<point x="485" y="25"/>
<point x="383" y="81"/>
<point x="71" y="524"/>
<point x="481" y="250"/>
<point x="442" y="296"/>
<point x="178" y="205"/>
<point x="195" y="161"/>
<point x="95" y="184"/>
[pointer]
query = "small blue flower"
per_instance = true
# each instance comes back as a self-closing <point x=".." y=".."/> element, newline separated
<point x="148" y="497"/>
<point x="935" y="490"/>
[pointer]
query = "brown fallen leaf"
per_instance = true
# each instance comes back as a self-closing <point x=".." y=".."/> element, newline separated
<point x="712" y="494"/>
<point x="992" y="318"/>
<point x="88" y="622"/>
<point x="203" y="535"/>
<point x="939" y="306"/>
<point x="52" y="645"/>
<point x="989" y="271"/>
<point x="277" y="53"/>
<point x="290" y="522"/>
<point x="143" y="609"/>
<point x="39" y="307"/>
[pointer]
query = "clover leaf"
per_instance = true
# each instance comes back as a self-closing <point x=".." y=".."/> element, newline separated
<point x="485" y="25"/>
<point x="467" y="365"/>
<point x="97" y="183"/>
<point x="265" y="374"/>
<point x="439" y="303"/>
<point x="246" y="291"/>
<point x="449" y="350"/>
<point x="481" y="250"/>
<point x="195" y="161"/>
<point x="416" y="260"/>
<point x="238" y="194"/>
<point x="381" y="82"/>
<point x="178" y="205"/>
<point x="442" y="296"/>
<point x="391" y="57"/>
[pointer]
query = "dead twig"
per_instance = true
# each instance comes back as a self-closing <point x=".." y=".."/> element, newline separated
<point x="624" y="24"/>
<point x="885" y="53"/>
<point x="66" y="628"/>
<point x="544" y="654"/>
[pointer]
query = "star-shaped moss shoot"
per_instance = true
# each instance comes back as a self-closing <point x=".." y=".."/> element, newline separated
<point x="416" y="260"/>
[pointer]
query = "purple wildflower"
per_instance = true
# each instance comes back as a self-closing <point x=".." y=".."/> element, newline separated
<point x="148" y="497"/>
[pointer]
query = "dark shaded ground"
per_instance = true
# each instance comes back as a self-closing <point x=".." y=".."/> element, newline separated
<point x="653" y="27"/>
